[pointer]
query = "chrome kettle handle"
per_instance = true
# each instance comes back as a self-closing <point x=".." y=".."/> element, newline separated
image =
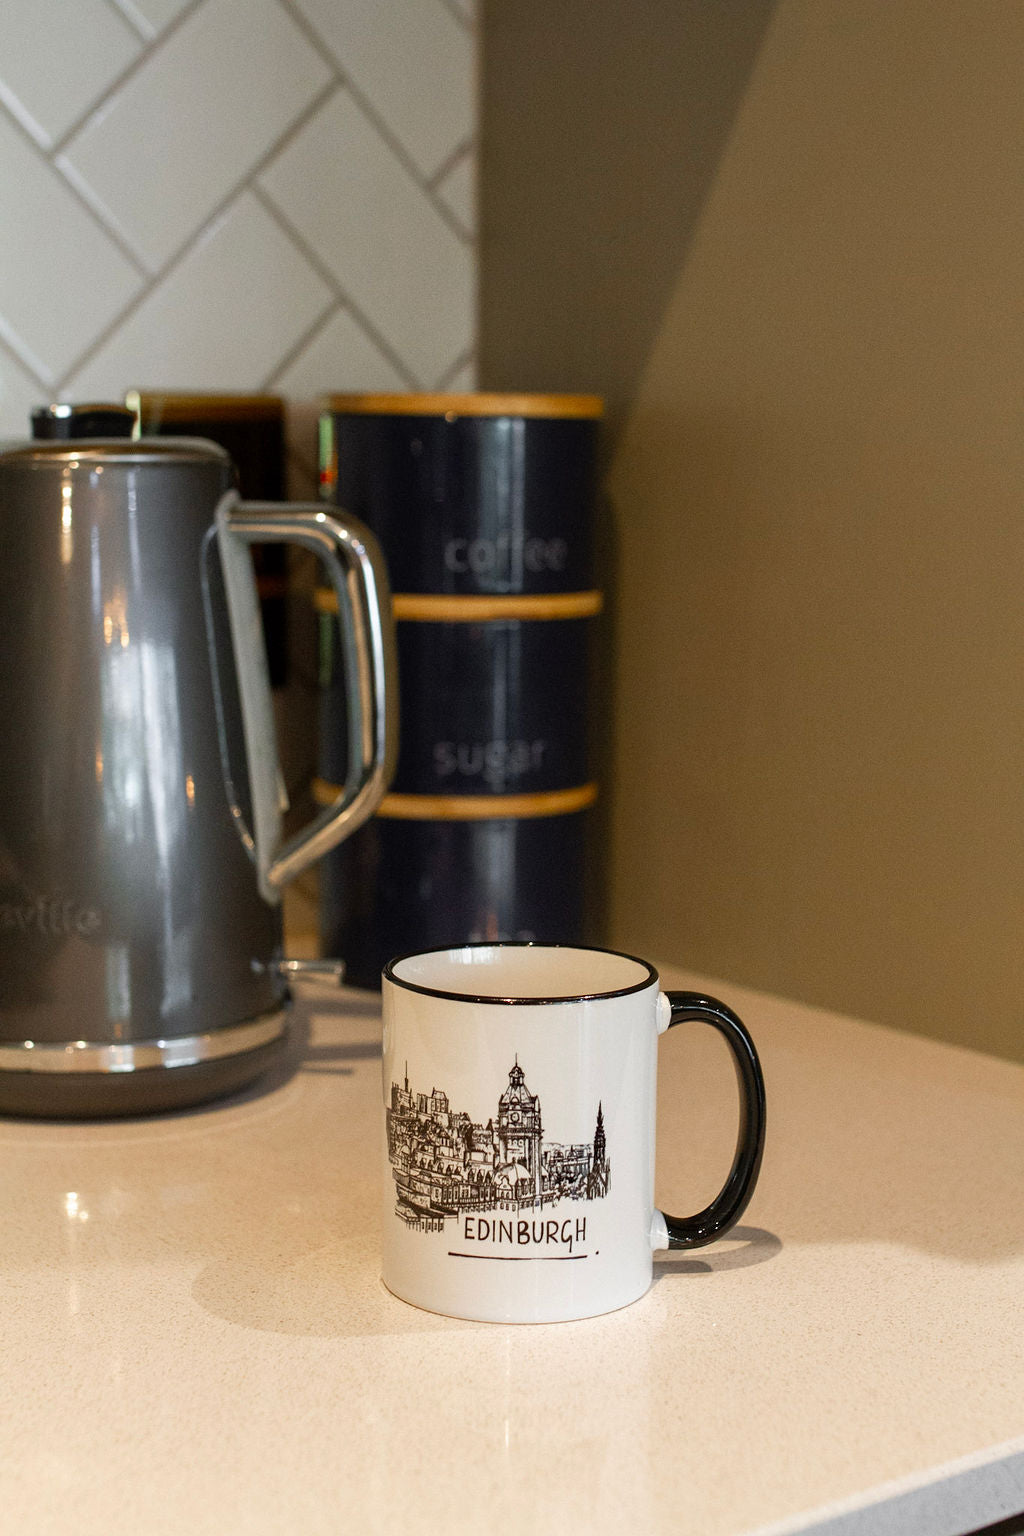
<point x="358" y="574"/>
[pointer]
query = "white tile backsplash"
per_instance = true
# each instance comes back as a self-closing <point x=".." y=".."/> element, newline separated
<point x="61" y="278"/>
<point x="463" y="380"/>
<point x="413" y="62"/>
<point x="340" y="358"/>
<point x="57" y="59"/>
<point x="225" y="317"/>
<point x="398" y="261"/>
<point x="19" y="395"/>
<point x="160" y="156"/>
<point x="150" y="17"/>
<point x="457" y="190"/>
<point x="143" y="243"/>
<point x="466" y="9"/>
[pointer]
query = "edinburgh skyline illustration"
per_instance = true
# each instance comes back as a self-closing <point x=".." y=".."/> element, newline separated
<point x="445" y="1164"/>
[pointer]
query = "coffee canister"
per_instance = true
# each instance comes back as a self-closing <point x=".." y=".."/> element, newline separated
<point x="484" y="506"/>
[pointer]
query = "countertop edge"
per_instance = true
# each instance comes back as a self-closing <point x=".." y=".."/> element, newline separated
<point x="971" y="1492"/>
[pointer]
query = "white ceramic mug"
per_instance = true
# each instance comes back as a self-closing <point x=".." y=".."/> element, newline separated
<point x="519" y="1104"/>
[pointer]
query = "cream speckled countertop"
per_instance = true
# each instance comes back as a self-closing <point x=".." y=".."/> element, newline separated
<point x="195" y="1339"/>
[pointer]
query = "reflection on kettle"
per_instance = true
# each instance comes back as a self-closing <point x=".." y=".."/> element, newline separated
<point x="141" y="851"/>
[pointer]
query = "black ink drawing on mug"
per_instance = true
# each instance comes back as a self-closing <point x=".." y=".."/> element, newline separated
<point x="444" y="1163"/>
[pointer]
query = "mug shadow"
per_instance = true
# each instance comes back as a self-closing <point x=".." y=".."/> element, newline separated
<point x="331" y="1289"/>
<point x="328" y="1289"/>
<point x="756" y="1246"/>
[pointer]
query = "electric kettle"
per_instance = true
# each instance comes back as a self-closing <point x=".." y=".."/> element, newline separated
<point x="141" y="849"/>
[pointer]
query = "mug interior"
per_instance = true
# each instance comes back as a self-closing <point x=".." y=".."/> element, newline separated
<point x="522" y="973"/>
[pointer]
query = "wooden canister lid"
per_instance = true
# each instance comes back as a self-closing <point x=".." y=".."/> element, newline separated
<point x="471" y="404"/>
<point x="163" y="406"/>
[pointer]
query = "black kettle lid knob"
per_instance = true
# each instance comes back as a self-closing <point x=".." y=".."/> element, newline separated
<point x="78" y="421"/>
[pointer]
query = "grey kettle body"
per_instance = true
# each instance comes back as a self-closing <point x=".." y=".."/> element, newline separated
<point x="141" y="858"/>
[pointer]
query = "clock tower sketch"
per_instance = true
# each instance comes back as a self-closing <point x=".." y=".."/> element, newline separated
<point x="519" y="1127"/>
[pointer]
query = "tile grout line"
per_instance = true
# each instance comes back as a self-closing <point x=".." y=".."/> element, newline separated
<point x="23" y="119"/>
<point x="125" y="12"/>
<point x="101" y="216"/>
<point x="460" y="16"/>
<point x="299" y="346"/>
<point x="337" y="288"/>
<point x="462" y="361"/>
<point x="368" y="110"/>
<point x="149" y="48"/>
<point x="459" y="153"/>
<point x="401" y="155"/>
<point x="313" y="38"/>
<point x="209" y="222"/>
<point x="101" y="224"/>
<point x="100" y="340"/>
<point x="14" y="353"/>
<point x="466" y="151"/>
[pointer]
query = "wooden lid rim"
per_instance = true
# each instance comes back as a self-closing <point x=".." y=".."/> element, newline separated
<point x="406" y="807"/>
<point x="478" y="607"/>
<point x="468" y="404"/>
<point x="164" y="405"/>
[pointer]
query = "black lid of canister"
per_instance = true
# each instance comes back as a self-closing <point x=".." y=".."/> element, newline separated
<point x="82" y="421"/>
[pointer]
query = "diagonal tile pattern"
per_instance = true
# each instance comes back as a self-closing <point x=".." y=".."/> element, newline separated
<point x="150" y="17"/>
<point x="234" y="304"/>
<point x="342" y="351"/>
<point x="19" y="392"/>
<point x="61" y="276"/>
<point x="399" y="261"/>
<point x="181" y="103"/>
<point x="457" y="190"/>
<point x="235" y="194"/>
<point x="414" y="61"/>
<point x="87" y="45"/>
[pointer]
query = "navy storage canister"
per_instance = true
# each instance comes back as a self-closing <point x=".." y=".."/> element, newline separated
<point x="484" y="505"/>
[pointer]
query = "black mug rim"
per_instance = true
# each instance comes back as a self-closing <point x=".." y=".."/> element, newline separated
<point x="388" y="974"/>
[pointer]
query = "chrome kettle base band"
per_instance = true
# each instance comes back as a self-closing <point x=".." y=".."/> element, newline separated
<point x="86" y="1079"/>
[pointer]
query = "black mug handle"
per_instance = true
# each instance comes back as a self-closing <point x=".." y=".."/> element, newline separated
<point x="728" y="1206"/>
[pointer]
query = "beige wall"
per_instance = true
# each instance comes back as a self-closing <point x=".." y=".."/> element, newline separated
<point x="819" y="699"/>
<point x="601" y="126"/>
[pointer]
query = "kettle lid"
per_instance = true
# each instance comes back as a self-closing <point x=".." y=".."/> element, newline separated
<point x="101" y="431"/>
<point x="82" y="421"/>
